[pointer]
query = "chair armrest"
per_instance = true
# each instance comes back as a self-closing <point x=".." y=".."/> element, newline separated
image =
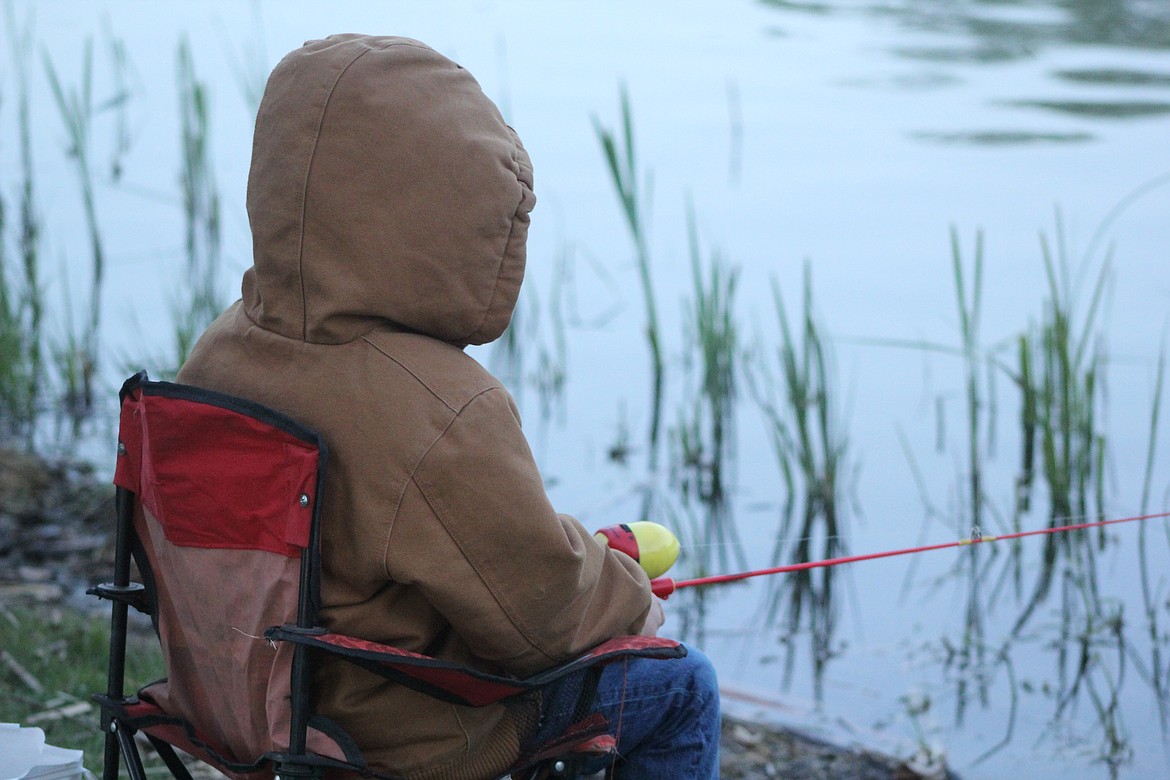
<point x="459" y="684"/>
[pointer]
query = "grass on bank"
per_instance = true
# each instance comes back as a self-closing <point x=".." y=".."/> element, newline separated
<point x="52" y="660"/>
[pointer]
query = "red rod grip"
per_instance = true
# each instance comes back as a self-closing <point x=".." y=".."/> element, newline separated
<point x="662" y="586"/>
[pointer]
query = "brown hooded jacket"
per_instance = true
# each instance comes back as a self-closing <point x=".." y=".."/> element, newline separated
<point x="389" y="209"/>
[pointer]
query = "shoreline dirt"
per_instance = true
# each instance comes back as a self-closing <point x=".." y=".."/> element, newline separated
<point x="56" y="524"/>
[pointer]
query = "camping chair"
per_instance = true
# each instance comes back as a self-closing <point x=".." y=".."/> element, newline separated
<point x="207" y="484"/>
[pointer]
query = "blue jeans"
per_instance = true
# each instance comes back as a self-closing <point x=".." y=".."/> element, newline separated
<point x="665" y="716"/>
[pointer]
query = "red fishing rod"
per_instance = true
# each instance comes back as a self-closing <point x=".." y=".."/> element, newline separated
<point x="664" y="586"/>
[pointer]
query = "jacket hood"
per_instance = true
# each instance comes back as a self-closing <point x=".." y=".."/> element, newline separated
<point x="385" y="187"/>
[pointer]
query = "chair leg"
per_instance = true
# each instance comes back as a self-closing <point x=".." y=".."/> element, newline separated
<point x="112" y="758"/>
<point x="170" y="758"/>
<point x="117" y="739"/>
<point x="129" y="751"/>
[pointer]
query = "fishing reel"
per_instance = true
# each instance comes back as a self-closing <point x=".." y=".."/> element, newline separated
<point x="653" y="546"/>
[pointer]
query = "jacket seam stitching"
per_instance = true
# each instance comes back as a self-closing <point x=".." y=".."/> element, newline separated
<point x="305" y="187"/>
<point x="451" y="408"/>
<point x="410" y="478"/>
<point x="529" y="636"/>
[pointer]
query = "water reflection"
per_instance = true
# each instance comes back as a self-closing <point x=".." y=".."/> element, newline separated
<point x="1023" y="26"/>
<point x="1004" y="137"/>
<point x="1094" y="652"/>
<point x="949" y="35"/>
<point x="1045" y="600"/>
<point x="702" y="439"/>
<point x="983" y="52"/>
<point x="1018" y="27"/>
<point x="1118" y="76"/>
<point x="798" y="398"/>
<point x="1117" y="109"/>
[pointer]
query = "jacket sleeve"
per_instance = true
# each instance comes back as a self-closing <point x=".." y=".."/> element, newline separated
<point x="524" y="586"/>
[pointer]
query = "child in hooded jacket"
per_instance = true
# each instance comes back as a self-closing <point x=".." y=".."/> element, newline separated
<point x="389" y="204"/>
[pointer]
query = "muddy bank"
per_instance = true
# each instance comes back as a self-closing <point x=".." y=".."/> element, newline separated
<point x="56" y="523"/>
<point x="755" y="751"/>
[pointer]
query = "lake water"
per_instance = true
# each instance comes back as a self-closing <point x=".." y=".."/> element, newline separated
<point x="851" y="136"/>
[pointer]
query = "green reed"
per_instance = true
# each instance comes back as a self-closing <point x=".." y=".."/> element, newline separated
<point x="1058" y="375"/>
<point x="1067" y="369"/>
<point x="981" y="363"/>
<point x="545" y="327"/>
<point x="77" y="352"/>
<point x="702" y="440"/>
<point x="1159" y="678"/>
<point x="1067" y="363"/>
<point x="507" y="360"/>
<point x="11" y="347"/>
<point x="22" y="298"/>
<point x="553" y="358"/>
<point x="32" y="304"/>
<point x="969" y="295"/>
<point x="705" y="434"/>
<point x="622" y="162"/>
<point x="201" y="211"/>
<point x="120" y="69"/>
<point x="970" y="658"/>
<point x="812" y="453"/>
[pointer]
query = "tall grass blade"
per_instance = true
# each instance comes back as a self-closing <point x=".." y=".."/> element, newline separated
<point x="121" y="69"/>
<point x="1069" y="361"/>
<point x="79" y="368"/>
<point x="201" y="211"/>
<point x="545" y="328"/>
<point x="971" y="656"/>
<point x="553" y="358"/>
<point x="703" y="439"/>
<point x="1158" y="681"/>
<point x="801" y="414"/>
<point x="507" y="360"/>
<point x="21" y="292"/>
<point x="1066" y="363"/>
<point x="10" y="343"/>
<point x="620" y="158"/>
